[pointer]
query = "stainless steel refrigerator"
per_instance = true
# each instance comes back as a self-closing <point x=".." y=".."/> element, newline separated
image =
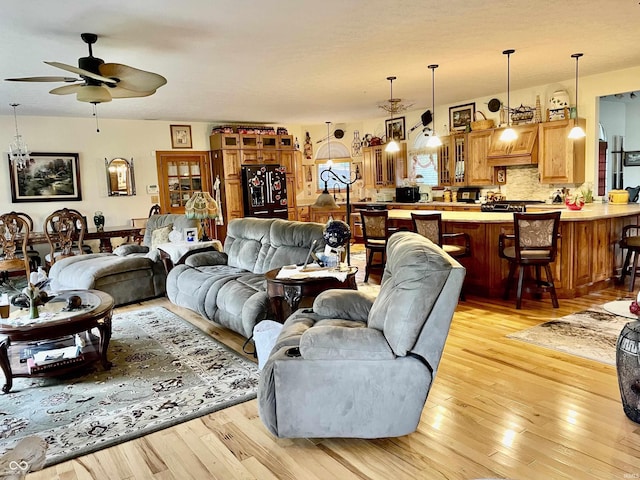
<point x="264" y="188"/>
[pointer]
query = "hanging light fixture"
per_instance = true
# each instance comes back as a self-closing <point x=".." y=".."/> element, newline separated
<point x="18" y="151"/>
<point x="509" y="134"/>
<point x="434" y="141"/>
<point x="577" y="131"/>
<point x="392" y="145"/>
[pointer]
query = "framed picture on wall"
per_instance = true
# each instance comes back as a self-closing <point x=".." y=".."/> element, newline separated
<point x="46" y="177"/>
<point x="181" y="136"/>
<point x="395" y="129"/>
<point x="632" y="159"/>
<point x="461" y="116"/>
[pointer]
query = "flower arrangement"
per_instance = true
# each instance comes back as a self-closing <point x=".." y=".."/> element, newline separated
<point x="575" y="200"/>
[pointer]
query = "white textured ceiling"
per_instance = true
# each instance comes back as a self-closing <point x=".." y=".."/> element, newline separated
<point x="302" y="61"/>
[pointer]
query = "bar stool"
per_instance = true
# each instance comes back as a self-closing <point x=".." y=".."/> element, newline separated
<point x="375" y="231"/>
<point x="630" y="241"/>
<point x="535" y="241"/>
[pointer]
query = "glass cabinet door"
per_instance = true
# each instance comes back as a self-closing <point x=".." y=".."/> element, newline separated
<point x="180" y="177"/>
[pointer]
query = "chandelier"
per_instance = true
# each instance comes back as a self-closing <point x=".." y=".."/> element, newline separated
<point x="394" y="106"/>
<point x="18" y="151"/>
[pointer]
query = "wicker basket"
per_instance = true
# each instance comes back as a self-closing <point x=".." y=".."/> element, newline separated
<point x="481" y="124"/>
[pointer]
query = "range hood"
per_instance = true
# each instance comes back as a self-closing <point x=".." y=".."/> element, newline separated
<point x="521" y="151"/>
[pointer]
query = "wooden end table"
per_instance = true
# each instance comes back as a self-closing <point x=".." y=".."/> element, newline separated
<point x="18" y="332"/>
<point x="294" y="290"/>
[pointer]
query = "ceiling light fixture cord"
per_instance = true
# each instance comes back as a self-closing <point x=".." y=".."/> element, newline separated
<point x="508" y="134"/>
<point x="95" y="114"/>
<point x="434" y="141"/>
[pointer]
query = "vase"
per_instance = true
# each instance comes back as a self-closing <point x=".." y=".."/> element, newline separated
<point x="628" y="371"/>
<point x="33" y="309"/>
<point x="98" y="220"/>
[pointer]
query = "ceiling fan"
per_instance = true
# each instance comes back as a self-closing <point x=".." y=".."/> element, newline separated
<point x="101" y="81"/>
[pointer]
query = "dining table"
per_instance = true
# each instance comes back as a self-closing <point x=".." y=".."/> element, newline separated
<point x="104" y="235"/>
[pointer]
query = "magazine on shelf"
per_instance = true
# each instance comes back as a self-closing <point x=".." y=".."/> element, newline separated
<point x="33" y="368"/>
<point x="31" y="349"/>
<point x="46" y="357"/>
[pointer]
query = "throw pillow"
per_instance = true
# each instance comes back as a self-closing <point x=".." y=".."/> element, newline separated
<point x="160" y="236"/>
<point x="128" y="249"/>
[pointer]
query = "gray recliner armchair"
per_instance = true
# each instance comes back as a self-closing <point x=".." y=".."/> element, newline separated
<point x="358" y="367"/>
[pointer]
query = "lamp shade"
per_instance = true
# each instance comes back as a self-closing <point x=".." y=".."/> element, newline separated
<point x="201" y="205"/>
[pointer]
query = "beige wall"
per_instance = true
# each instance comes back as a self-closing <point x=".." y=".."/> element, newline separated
<point x="140" y="140"/>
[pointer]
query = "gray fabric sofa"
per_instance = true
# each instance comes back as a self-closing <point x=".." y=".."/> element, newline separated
<point x="131" y="274"/>
<point x="229" y="288"/>
<point x="357" y="367"/>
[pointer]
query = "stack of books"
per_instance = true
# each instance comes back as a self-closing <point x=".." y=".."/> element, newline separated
<point x="47" y="356"/>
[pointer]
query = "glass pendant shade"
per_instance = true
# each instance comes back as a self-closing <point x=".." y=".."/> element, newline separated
<point x="325" y="200"/>
<point x="93" y="94"/>
<point x="392" y="147"/>
<point x="576" y="132"/>
<point x="434" y="141"/>
<point x="509" y="134"/>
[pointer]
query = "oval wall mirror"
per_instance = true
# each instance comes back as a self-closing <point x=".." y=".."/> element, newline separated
<point x="120" y="177"/>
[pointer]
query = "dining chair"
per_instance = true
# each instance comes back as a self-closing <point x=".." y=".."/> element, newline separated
<point x="64" y="229"/>
<point x="14" y="238"/>
<point x="375" y="231"/>
<point x="534" y="243"/>
<point x="34" y="256"/>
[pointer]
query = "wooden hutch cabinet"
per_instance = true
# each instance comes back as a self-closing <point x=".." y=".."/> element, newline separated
<point x="229" y="152"/>
<point x="478" y="170"/>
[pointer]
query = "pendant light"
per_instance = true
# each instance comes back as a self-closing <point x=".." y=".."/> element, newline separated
<point x="577" y="131"/>
<point x="434" y="141"/>
<point x="392" y="145"/>
<point x="18" y="151"/>
<point x="509" y="134"/>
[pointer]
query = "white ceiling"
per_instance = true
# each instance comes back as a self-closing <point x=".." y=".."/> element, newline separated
<point x="302" y="61"/>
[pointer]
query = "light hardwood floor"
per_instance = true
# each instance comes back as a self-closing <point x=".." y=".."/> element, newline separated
<point x="499" y="408"/>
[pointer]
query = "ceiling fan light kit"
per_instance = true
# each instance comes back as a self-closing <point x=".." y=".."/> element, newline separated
<point x="101" y="81"/>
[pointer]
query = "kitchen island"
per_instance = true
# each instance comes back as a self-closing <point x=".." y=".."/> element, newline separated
<point x="589" y="257"/>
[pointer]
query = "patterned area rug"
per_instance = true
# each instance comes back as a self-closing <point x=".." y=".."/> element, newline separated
<point x="165" y="371"/>
<point x="591" y="334"/>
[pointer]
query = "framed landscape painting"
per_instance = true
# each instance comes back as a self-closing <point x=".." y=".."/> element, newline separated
<point x="461" y="116"/>
<point x="47" y="177"/>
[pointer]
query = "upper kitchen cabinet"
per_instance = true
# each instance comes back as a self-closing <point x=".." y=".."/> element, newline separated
<point x="561" y="158"/>
<point x="382" y="169"/>
<point x="521" y="151"/>
<point x="478" y="170"/>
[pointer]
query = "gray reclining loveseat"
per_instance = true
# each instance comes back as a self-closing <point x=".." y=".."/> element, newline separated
<point x="355" y="367"/>
<point x="229" y="287"/>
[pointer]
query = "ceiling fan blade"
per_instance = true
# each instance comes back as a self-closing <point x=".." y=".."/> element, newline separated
<point x="119" y="92"/>
<point x="66" y="90"/>
<point x="82" y="72"/>
<point x="44" y="79"/>
<point x="132" y="78"/>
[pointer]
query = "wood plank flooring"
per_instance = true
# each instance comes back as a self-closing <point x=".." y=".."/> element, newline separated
<point x="499" y="408"/>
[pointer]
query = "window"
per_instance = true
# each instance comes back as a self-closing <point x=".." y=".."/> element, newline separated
<point x="424" y="166"/>
<point x="341" y="169"/>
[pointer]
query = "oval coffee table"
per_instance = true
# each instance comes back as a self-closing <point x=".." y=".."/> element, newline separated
<point x="56" y="320"/>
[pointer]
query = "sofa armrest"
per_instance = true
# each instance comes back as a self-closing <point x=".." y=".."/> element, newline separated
<point x="190" y="253"/>
<point x="341" y="303"/>
<point x="200" y="258"/>
<point x="127" y="249"/>
<point x="344" y="343"/>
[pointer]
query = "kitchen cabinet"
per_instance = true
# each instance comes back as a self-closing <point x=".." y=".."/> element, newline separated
<point x="521" y="151"/>
<point x="261" y="149"/>
<point x="180" y="174"/>
<point x="451" y="160"/>
<point x="382" y="169"/>
<point x="444" y="163"/>
<point x="561" y="159"/>
<point x="478" y="170"/>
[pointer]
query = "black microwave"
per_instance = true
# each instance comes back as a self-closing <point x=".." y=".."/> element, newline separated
<point x="408" y="194"/>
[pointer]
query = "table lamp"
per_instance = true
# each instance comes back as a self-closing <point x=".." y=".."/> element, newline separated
<point x="203" y="207"/>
